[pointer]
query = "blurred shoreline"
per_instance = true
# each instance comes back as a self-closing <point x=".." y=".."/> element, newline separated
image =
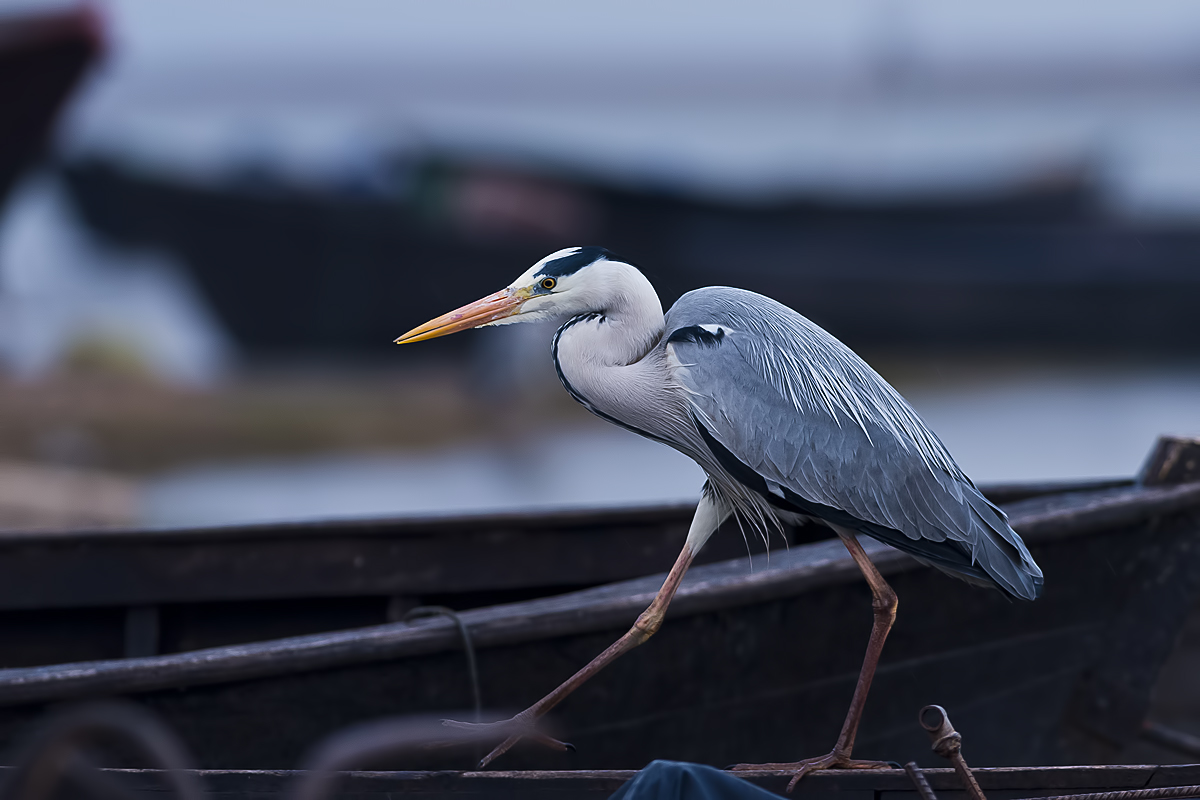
<point x="286" y="443"/>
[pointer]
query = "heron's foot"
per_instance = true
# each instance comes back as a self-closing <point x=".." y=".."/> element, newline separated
<point x="522" y="726"/>
<point x="833" y="760"/>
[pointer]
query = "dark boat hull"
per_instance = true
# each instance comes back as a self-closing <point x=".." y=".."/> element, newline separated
<point x="43" y="56"/>
<point x="750" y="666"/>
<point x="88" y="595"/>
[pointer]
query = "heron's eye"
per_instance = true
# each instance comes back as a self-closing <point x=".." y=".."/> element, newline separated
<point x="549" y="283"/>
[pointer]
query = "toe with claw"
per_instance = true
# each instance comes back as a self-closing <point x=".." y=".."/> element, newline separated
<point x="512" y="730"/>
<point x="833" y="760"/>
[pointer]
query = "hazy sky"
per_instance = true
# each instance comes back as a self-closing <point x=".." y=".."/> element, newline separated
<point x="595" y="33"/>
<point x="853" y="95"/>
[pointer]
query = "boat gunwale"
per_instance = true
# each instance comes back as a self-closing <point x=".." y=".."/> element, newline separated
<point x="432" y="524"/>
<point x="1050" y="779"/>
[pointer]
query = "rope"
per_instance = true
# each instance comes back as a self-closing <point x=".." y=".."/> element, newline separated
<point x="468" y="646"/>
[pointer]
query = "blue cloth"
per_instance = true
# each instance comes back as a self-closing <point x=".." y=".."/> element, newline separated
<point x="677" y="780"/>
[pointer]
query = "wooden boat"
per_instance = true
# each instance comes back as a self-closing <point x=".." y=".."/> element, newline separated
<point x="43" y="56"/>
<point x="1004" y="782"/>
<point x="294" y="268"/>
<point x="81" y="595"/>
<point x="753" y="665"/>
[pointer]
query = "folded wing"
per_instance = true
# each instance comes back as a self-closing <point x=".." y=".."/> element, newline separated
<point x="828" y="437"/>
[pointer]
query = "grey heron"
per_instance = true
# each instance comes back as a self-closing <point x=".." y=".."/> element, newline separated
<point x="787" y="423"/>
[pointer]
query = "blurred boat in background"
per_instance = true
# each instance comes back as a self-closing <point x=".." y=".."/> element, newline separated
<point x="43" y="56"/>
<point x="1037" y="263"/>
<point x="61" y="293"/>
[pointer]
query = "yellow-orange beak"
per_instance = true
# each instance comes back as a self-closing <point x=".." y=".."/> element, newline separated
<point x="503" y="303"/>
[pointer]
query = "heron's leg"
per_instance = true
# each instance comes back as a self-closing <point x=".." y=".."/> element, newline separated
<point x="884" y="605"/>
<point x="710" y="513"/>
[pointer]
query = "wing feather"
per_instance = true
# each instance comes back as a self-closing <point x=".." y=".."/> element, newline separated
<point x="802" y="411"/>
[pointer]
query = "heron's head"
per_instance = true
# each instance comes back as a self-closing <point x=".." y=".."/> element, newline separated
<point x="572" y="281"/>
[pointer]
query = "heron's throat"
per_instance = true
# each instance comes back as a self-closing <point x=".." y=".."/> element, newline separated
<point x="624" y="323"/>
<point x="610" y="362"/>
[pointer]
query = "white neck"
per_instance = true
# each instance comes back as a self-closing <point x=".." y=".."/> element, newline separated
<point x="630" y="319"/>
<point x="607" y="356"/>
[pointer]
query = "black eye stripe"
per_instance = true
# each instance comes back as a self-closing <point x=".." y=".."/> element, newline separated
<point x="568" y="265"/>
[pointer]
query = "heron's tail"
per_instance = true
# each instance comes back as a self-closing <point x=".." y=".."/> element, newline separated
<point x="999" y="551"/>
<point x="988" y="552"/>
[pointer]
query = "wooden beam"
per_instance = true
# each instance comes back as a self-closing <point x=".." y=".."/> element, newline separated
<point x="598" y="784"/>
<point x="361" y="558"/>
<point x="1174" y="460"/>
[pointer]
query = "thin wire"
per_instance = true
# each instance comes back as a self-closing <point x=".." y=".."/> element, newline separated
<point x="468" y="646"/>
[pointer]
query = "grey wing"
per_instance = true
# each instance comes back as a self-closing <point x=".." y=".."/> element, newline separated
<point x="812" y="426"/>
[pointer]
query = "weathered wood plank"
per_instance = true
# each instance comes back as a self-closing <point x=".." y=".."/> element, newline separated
<point x="1055" y="516"/>
<point x="1003" y="493"/>
<point x="535" y="784"/>
<point x="351" y="558"/>
<point x="1174" y="460"/>
<point x="378" y="557"/>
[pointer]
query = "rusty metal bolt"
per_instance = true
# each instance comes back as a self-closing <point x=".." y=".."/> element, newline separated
<point x="946" y="740"/>
<point x="947" y="743"/>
